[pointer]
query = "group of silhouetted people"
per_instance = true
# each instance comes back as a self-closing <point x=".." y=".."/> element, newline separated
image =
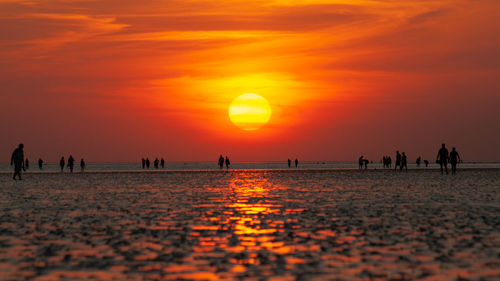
<point x="444" y="157"/>
<point x="71" y="164"/>
<point x="290" y="162"/>
<point x="21" y="164"/>
<point x="223" y="161"/>
<point x="362" y="162"/>
<point x="146" y="164"/>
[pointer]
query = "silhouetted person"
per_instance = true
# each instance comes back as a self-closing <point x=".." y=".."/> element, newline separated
<point x="82" y="165"/>
<point x="365" y="162"/>
<point x="419" y="159"/>
<point x="289" y="163"/>
<point x="71" y="163"/>
<point x="162" y="163"/>
<point x="143" y="163"/>
<point x="296" y="162"/>
<point x="454" y="160"/>
<point x="17" y="159"/>
<point x="389" y="162"/>
<point x="426" y="162"/>
<point x="404" y="162"/>
<point x="156" y="163"/>
<point x="221" y="161"/>
<point x="40" y="163"/>
<point x="398" y="161"/>
<point x="442" y="158"/>
<point x="227" y="163"/>
<point x="26" y="164"/>
<point x="361" y="162"/>
<point x="62" y="163"/>
<point x="148" y="163"/>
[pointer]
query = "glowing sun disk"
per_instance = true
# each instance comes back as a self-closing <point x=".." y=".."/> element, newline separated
<point x="250" y="112"/>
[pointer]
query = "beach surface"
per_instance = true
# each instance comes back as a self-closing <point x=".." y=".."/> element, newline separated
<point x="251" y="225"/>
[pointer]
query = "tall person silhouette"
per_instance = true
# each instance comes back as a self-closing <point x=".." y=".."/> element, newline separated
<point x="296" y="162"/>
<point x="40" y="163"/>
<point x="62" y="163"/>
<point x="454" y="160"/>
<point x="398" y="161"/>
<point x="442" y="158"/>
<point x="17" y="159"/>
<point x="71" y="163"/>
<point x="227" y="163"/>
<point x="404" y="162"/>
<point x="221" y="162"/>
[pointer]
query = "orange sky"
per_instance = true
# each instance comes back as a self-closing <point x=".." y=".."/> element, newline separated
<point x="120" y="79"/>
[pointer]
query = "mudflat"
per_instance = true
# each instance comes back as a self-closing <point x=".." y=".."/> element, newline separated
<point x="251" y="225"/>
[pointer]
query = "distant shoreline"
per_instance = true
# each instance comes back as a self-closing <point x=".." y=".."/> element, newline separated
<point x="287" y="170"/>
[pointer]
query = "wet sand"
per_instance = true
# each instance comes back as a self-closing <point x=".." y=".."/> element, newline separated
<point x="251" y="225"/>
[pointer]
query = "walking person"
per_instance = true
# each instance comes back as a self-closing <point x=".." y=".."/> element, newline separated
<point x="82" y="165"/>
<point x="17" y="159"/>
<point x="148" y="163"/>
<point x="162" y="163"/>
<point x="296" y="162"/>
<point x="156" y="163"/>
<point x="361" y="162"/>
<point x="404" y="162"/>
<point x="143" y="162"/>
<point x="221" y="162"/>
<point x="71" y="163"/>
<point x="442" y="158"/>
<point x="289" y="162"/>
<point x="454" y="160"/>
<point x="62" y="163"/>
<point x="398" y="161"/>
<point x="40" y="163"/>
<point x="227" y="163"/>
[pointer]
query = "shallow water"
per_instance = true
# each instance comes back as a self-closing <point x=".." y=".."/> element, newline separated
<point x="252" y="225"/>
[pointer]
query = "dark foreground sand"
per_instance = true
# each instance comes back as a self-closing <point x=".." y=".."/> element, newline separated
<point x="274" y="225"/>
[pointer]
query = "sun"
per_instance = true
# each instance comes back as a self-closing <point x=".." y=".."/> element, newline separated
<point x="250" y="112"/>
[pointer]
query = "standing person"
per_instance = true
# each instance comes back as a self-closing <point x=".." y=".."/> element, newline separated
<point x="442" y="158"/>
<point x="17" y="160"/>
<point x="82" y="165"/>
<point x="454" y="159"/>
<point x="148" y="163"/>
<point x="296" y="162"/>
<point x="156" y="163"/>
<point x="162" y="163"/>
<point x="62" y="163"/>
<point x="27" y="164"/>
<point x="389" y="162"/>
<point x="419" y="159"/>
<point x="404" y="162"/>
<point x="221" y="161"/>
<point x="289" y="162"/>
<point x="426" y="162"/>
<point x="143" y="163"/>
<point x="361" y="162"/>
<point x="71" y="163"/>
<point x="40" y="163"/>
<point x="398" y="161"/>
<point x="227" y="163"/>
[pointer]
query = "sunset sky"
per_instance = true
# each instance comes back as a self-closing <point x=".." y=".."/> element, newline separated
<point x="118" y="80"/>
